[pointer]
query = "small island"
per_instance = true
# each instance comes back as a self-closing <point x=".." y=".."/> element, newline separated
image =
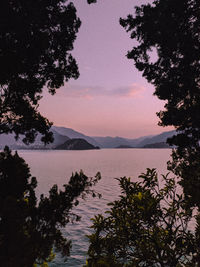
<point x="157" y="145"/>
<point x="124" y="146"/>
<point x="76" y="144"/>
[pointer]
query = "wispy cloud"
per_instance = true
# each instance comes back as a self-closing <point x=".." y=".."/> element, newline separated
<point x="77" y="91"/>
<point x="133" y="90"/>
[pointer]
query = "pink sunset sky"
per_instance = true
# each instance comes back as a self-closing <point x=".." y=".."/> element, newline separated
<point x="110" y="98"/>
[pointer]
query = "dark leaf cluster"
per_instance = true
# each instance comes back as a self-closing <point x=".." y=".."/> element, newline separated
<point x="36" y="39"/>
<point x="148" y="225"/>
<point x="167" y="33"/>
<point x="168" y="37"/>
<point x="29" y="229"/>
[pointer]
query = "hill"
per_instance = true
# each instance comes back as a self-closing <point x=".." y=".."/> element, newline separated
<point x="74" y="134"/>
<point x="76" y="144"/>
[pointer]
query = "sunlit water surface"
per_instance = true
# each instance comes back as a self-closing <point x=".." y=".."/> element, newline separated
<point x="56" y="167"/>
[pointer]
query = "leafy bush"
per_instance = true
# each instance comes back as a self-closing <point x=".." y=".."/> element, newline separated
<point x="149" y="225"/>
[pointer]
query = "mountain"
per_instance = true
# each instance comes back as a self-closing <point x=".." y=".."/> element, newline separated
<point x="110" y="142"/>
<point x="116" y="142"/>
<point x="9" y="139"/>
<point x="157" y="138"/>
<point x="137" y="141"/>
<point x="74" y="134"/>
<point x="58" y="139"/>
<point x="6" y="139"/>
<point x="76" y="144"/>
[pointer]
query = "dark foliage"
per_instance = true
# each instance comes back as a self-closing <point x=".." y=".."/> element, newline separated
<point x="170" y="29"/>
<point x="30" y="229"/>
<point x="36" y="38"/>
<point x="167" y="53"/>
<point x="147" y="226"/>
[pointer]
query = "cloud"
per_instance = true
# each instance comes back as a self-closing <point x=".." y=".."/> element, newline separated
<point x="77" y="91"/>
<point x="133" y="90"/>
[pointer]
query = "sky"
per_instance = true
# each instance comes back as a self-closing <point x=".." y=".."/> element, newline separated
<point x="110" y="98"/>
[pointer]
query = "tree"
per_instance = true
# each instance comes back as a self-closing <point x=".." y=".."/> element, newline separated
<point x="168" y="36"/>
<point x="147" y="226"/>
<point x="30" y="229"/>
<point x="36" y="39"/>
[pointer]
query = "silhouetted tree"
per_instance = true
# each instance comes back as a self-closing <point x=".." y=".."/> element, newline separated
<point x="36" y="39"/>
<point x="167" y="52"/>
<point x="30" y="229"/>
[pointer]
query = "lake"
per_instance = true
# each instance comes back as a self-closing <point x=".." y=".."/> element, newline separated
<point x="56" y="166"/>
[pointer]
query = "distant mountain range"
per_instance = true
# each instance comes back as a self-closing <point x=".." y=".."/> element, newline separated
<point x="116" y="142"/>
<point x="63" y="134"/>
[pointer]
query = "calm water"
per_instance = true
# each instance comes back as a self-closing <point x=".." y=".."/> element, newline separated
<point x="56" y="167"/>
